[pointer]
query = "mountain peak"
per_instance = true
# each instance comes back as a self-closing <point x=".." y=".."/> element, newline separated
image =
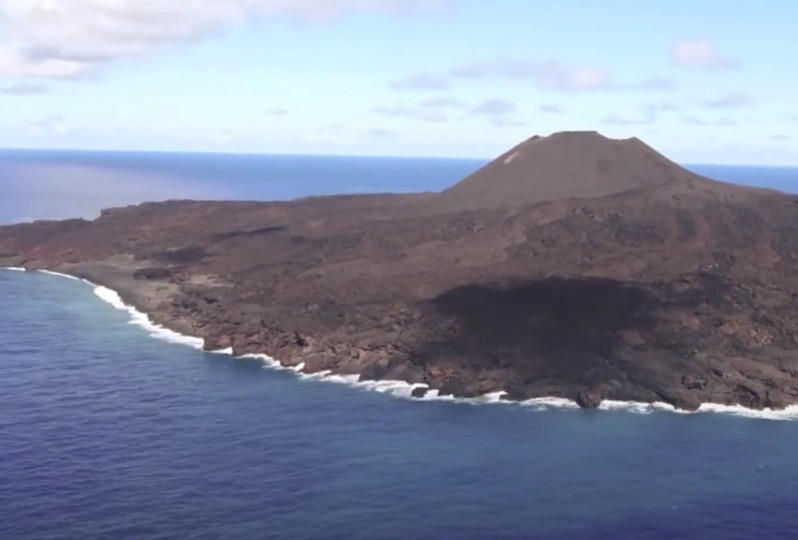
<point x="564" y="165"/>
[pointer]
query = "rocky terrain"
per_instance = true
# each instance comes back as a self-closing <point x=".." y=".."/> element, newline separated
<point x="573" y="266"/>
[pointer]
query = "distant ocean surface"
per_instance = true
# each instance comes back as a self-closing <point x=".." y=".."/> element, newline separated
<point x="108" y="432"/>
<point x="58" y="184"/>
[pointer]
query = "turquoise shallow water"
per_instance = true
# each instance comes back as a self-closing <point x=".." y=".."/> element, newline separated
<point x="106" y="432"/>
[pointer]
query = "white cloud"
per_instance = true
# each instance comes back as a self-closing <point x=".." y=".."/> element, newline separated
<point x="616" y="119"/>
<point x="422" y="81"/>
<point x="20" y="89"/>
<point x="495" y="107"/>
<point x="696" y="121"/>
<point x="649" y="114"/>
<point x="661" y="107"/>
<point x="700" y="54"/>
<point x="728" y="101"/>
<point x="54" y="125"/>
<point x="550" y="108"/>
<point x="333" y="128"/>
<point x="382" y="133"/>
<point x="500" y="111"/>
<point x="428" y="114"/>
<point x="66" y="39"/>
<point x="547" y="74"/>
<point x="445" y="103"/>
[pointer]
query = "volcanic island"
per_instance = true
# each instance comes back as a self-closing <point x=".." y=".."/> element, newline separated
<point x="572" y="266"/>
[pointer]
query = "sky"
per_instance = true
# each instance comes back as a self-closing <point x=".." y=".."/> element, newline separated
<point x="704" y="81"/>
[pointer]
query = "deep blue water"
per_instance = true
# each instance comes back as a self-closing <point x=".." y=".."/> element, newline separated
<point x="106" y="432"/>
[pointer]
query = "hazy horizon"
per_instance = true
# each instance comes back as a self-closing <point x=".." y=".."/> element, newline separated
<point x="58" y="184"/>
<point x="481" y="159"/>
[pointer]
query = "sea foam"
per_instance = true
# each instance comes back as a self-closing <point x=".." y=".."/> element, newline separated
<point x="142" y="320"/>
<point x="403" y="389"/>
<point x="788" y="413"/>
<point x="59" y="274"/>
<point x="13" y="269"/>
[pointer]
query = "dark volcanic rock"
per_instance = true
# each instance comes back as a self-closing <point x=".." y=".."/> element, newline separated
<point x="572" y="266"/>
<point x="396" y="369"/>
<point x="153" y="273"/>
<point x="589" y="399"/>
<point x="419" y="392"/>
<point x="694" y="382"/>
<point x="562" y="166"/>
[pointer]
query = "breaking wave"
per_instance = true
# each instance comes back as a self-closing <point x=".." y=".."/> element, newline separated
<point x="404" y="389"/>
<point x="788" y="413"/>
<point x="142" y="320"/>
<point x="59" y="274"/>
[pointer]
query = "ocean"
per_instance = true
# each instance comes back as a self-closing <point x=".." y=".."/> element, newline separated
<point x="110" y="428"/>
<point x="61" y="184"/>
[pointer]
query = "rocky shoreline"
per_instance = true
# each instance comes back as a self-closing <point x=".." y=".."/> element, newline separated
<point x="163" y="299"/>
<point x="129" y="291"/>
<point x="652" y="286"/>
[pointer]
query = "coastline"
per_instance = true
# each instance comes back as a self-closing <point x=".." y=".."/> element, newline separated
<point x="396" y="388"/>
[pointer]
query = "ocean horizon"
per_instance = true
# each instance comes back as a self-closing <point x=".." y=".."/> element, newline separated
<point x="56" y="184"/>
<point x="109" y="433"/>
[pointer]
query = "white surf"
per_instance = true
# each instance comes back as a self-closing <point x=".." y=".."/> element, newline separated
<point x="404" y="389"/>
